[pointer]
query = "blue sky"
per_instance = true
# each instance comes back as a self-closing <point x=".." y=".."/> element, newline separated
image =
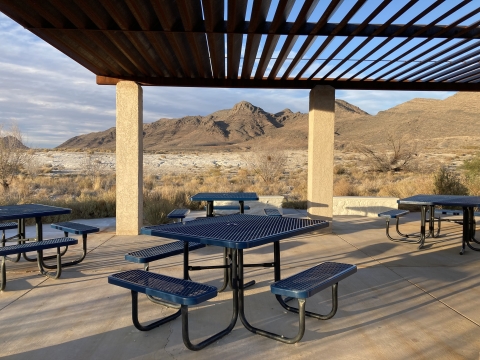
<point x="52" y="98"/>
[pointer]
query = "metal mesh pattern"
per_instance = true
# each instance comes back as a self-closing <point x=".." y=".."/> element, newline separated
<point x="238" y="228"/>
<point x="75" y="227"/>
<point x="30" y="210"/>
<point x="178" y="213"/>
<point x="8" y="225"/>
<point x="225" y="197"/>
<point x="161" y="251"/>
<point x="178" y="288"/>
<point x="393" y="213"/>
<point x="37" y="245"/>
<point x="316" y="278"/>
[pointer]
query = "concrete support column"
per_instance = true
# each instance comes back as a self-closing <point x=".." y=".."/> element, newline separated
<point x="321" y="121"/>
<point x="129" y="158"/>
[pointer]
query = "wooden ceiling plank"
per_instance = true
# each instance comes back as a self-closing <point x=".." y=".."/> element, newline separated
<point x="412" y="49"/>
<point x="169" y="17"/>
<point x="191" y="14"/>
<point x="236" y="15"/>
<point x="355" y="8"/>
<point x="290" y="41"/>
<point x="258" y="17"/>
<point x="399" y="31"/>
<point x="425" y="73"/>
<point x="29" y="18"/>
<point x="281" y="14"/>
<point x="334" y="4"/>
<point x="471" y="78"/>
<point x="467" y="73"/>
<point x="450" y="68"/>
<point x="436" y="55"/>
<point x="213" y="12"/>
<point x="395" y="16"/>
<point x="125" y="20"/>
<point x="365" y="22"/>
<point x="341" y="84"/>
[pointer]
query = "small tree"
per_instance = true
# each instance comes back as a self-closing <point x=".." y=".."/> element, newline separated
<point x="13" y="154"/>
<point x="398" y="157"/>
<point x="268" y="163"/>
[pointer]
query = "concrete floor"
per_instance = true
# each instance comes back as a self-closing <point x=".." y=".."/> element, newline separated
<point x="403" y="303"/>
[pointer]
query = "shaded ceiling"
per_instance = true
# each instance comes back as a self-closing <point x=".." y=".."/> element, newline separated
<point x="364" y="44"/>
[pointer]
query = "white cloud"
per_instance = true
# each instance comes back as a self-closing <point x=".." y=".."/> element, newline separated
<point x="52" y="98"/>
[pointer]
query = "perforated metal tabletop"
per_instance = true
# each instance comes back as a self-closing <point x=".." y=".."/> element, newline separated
<point x="450" y="200"/>
<point x="25" y="211"/>
<point x="232" y="196"/>
<point x="236" y="231"/>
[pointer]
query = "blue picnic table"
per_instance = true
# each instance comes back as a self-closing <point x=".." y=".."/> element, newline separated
<point x="210" y="197"/>
<point x="427" y="203"/>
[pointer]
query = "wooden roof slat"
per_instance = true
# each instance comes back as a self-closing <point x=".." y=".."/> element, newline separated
<point x="378" y="31"/>
<point x="473" y="76"/>
<point x="258" y="17"/>
<point x="283" y="10"/>
<point x="412" y="49"/>
<point x="236" y="15"/>
<point x="460" y="74"/>
<point x="447" y="69"/>
<point x="349" y="38"/>
<point x="169" y="16"/>
<point x="402" y="29"/>
<point x="191" y="14"/>
<point x="436" y="55"/>
<point x="332" y="7"/>
<point x="213" y="12"/>
<point x="425" y="72"/>
<point x="120" y="13"/>
<point x="355" y="8"/>
<point x="303" y="15"/>
<point x="27" y="17"/>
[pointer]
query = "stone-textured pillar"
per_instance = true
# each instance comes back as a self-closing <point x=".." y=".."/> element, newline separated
<point x="129" y="158"/>
<point x="321" y="121"/>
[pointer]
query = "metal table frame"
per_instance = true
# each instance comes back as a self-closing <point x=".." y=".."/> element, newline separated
<point x="217" y="234"/>
<point x="468" y="203"/>
<point x="27" y="211"/>
<point x="211" y="197"/>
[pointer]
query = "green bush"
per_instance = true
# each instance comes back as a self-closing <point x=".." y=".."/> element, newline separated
<point x="447" y="182"/>
<point x="472" y="167"/>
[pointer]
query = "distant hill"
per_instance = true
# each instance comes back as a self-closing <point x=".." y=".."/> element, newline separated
<point x="241" y="126"/>
<point x="453" y="122"/>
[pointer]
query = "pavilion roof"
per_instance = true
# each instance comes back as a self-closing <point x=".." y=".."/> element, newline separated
<point x="363" y="44"/>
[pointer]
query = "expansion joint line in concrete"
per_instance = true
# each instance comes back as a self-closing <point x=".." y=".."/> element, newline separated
<point x="412" y="283"/>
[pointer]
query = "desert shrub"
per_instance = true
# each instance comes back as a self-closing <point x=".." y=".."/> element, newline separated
<point x="267" y="163"/>
<point x="472" y="166"/>
<point x="400" y="155"/>
<point x="344" y="187"/>
<point x="447" y="182"/>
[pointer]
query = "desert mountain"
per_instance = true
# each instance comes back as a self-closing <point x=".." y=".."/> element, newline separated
<point x="451" y="122"/>
<point x="241" y="126"/>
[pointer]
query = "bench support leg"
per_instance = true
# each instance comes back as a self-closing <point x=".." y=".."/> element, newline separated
<point x="152" y="325"/>
<point x="406" y="236"/>
<point x="73" y="262"/>
<point x="40" y="263"/>
<point x="301" y="311"/>
<point x="3" y="275"/>
<point x="233" y="321"/>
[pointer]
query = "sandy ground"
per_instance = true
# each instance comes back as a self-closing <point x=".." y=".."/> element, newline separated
<point x="67" y="162"/>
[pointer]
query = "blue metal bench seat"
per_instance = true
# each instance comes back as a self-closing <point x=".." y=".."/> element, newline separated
<point x="38" y="246"/>
<point x="178" y="214"/>
<point x="397" y="214"/>
<point x="304" y="285"/>
<point x="78" y="229"/>
<point x="272" y="212"/>
<point x="182" y="292"/>
<point x="146" y="256"/>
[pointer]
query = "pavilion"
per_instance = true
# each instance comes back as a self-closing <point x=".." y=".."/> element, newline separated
<point x="324" y="45"/>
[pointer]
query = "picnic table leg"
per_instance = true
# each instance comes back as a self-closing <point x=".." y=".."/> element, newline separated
<point x="209" y="208"/>
<point x="468" y="218"/>
<point x="39" y="226"/>
<point x="233" y="321"/>
<point x="242" y="207"/>
<point x="423" y="212"/>
<point x="16" y="258"/>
